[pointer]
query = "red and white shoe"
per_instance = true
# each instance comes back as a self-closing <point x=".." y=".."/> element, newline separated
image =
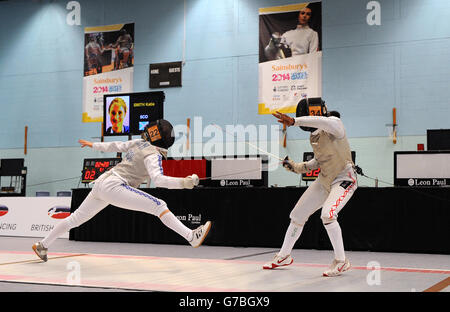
<point x="337" y="268"/>
<point x="278" y="262"/>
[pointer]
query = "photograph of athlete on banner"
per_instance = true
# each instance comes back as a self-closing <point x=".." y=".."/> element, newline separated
<point x="108" y="50"/>
<point x="285" y="34"/>
<point x="290" y="56"/>
<point x="108" y="66"/>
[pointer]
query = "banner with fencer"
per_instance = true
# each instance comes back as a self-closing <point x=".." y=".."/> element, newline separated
<point x="108" y="66"/>
<point x="290" y="56"/>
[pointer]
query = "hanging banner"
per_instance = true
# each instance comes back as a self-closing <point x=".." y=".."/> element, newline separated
<point x="290" y="56"/>
<point x="108" y="66"/>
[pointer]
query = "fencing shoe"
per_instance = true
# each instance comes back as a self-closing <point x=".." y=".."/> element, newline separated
<point x="278" y="261"/>
<point x="199" y="234"/>
<point x="40" y="251"/>
<point x="337" y="267"/>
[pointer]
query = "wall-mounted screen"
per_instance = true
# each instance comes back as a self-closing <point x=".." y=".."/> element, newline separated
<point x="129" y="113"/>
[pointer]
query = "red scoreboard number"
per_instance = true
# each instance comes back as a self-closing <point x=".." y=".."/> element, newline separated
<point x="94" y="167"/>
<point x="314" y="174"/>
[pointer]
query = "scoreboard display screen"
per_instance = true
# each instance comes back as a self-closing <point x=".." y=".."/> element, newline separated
<point x="165" y="75"/>
<point x="95" y="167"/>
<point x="314" y="174"/>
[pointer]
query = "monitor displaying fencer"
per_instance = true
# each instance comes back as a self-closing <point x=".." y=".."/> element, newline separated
<point x="128" y="113"/>
<point x="117" y="117"/>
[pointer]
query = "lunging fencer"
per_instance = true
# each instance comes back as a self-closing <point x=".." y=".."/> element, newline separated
<point x="118" y="186"/>
<point x="332" y="189"/>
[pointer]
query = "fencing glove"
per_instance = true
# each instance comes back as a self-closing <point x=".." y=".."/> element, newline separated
<point x="292" y="166"/>
<point x="190" y="181"/>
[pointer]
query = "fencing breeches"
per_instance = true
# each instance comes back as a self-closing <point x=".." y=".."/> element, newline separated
<point x="108" y="189"/>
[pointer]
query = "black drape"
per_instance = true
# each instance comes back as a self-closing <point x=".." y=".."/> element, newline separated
<point x="375" y="219"/>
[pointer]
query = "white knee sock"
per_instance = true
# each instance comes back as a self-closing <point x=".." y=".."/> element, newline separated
<point x="292" y="234"/>
<point x="335" y="235"/>
<point x="62" y="227"/>
<point x="172" y="222"/>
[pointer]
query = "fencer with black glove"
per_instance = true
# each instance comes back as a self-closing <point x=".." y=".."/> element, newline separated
<point x="302" y="167"/>
<point x="334" y="187"/>
<point x="118" y="186"/>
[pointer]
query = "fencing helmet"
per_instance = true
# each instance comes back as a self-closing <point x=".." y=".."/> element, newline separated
<point x="159" y="133"/>
<point x="311" y="107"/>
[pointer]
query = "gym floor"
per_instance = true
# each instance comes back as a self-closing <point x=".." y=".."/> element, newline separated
<point x="75" y="266"/>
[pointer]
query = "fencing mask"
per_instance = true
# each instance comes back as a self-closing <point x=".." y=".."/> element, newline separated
<point x="311" y="107"/>
<point x="159" y="133"/>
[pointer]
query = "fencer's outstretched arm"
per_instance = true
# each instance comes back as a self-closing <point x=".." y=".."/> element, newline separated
<point x="106" y="146"/>
<point x="153" y="163"/>
<point x="115" y="146"/>
<point x="330" y="124"/>
<point x="85" y="143"/>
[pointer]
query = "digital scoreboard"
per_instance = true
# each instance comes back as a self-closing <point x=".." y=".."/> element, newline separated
<point x="95" y="167"/>
<point x="314" y="174"/>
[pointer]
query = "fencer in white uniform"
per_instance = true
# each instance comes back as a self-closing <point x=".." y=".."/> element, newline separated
<point x="118" y="186"/>
<point x="334" y="187"/>
<point x="302" y="39"/>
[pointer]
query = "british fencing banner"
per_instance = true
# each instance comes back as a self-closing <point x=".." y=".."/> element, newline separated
<point x="290" y="56"/>
<point x="32" y="216"/>
<point x="108" y="66"/>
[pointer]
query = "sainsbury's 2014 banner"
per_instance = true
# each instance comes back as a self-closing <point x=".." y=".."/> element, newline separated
<point x="290" y="56"/>
<point x="108" y="66"/>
